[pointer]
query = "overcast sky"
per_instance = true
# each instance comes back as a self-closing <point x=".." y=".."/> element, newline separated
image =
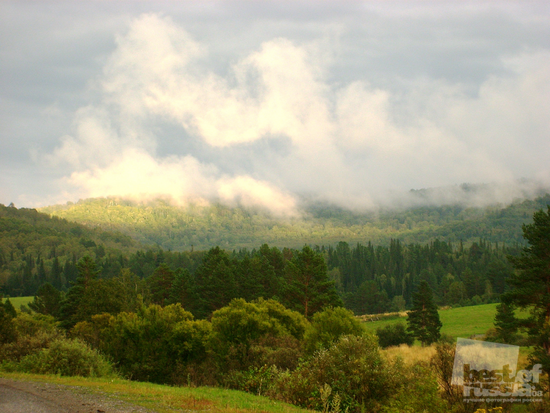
<point x="263" y="103"/>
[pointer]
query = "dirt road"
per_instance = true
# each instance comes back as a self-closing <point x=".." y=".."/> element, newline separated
<point x="30" y="397"/>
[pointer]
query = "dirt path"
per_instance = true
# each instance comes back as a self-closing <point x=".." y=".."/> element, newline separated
<point x="30" y="397"/>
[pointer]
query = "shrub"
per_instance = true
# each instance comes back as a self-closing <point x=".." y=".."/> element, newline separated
<point x="67" y="357"/>
<point x="328" y="326"/>
<point x="354" y="369"/>
<point x="151" y="345"/>
<point x="32" y="333"/>
<point x="394" y="335"/>
<point x="415" y="389"/>
<point x="245" y="334"/>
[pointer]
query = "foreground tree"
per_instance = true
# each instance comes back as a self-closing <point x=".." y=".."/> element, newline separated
<point x="531" y="286"/>
<point x="423" y="319"/>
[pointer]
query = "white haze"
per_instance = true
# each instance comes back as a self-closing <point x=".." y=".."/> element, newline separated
<point x="275" y="126"/>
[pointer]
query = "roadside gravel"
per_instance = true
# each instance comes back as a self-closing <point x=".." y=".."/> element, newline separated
<point x="18" y="396"/>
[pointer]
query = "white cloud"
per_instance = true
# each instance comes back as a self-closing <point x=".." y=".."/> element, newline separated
<point x="349" y="143"/>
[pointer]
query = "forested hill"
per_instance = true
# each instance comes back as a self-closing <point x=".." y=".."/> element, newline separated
<point x="33" y="244"/>
<point x="202" y="227"/>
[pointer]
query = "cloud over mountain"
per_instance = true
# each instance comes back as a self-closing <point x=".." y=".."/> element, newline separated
<point x="278" y="120"/>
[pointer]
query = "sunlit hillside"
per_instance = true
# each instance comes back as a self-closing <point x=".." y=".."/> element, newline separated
<point x="201" y="227"/>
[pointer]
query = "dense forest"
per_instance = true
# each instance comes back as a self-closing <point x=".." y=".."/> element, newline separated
<point x="36" y="249"/>
<point x="181" y="228"/>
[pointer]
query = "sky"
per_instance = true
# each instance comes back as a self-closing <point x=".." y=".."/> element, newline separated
<point x="270" y="103"/>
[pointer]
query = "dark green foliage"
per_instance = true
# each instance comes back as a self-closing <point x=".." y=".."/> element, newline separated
<point x="215" y="282"/>
<point x="423" y="318"/>
<point x="183" y="289"/>
<point x="160" y="284"/>
<point x="368" y="299"/>
<point x="309" y="289"/>
<point x="9" y="308"/>
<point x="7" y="328"/>
<point x="394" y="335"/>
<point x="328" y="325"/>
<point x="71" y="305"/>
<point x="506" y="324"/>
<point x="530" y="288"/>
<point x="47" y="300"/>
<point x="154" y="344"/>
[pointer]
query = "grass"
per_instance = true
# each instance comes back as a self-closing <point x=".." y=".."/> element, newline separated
<point x="167" y="399"/>
<point x="463" y="322"/>
<point x="17" y="302"/>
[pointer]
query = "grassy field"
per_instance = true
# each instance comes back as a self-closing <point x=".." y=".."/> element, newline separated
<point x="463" y="322"/>
<point x="170" y="399"/>
<point x="17" y="302"/>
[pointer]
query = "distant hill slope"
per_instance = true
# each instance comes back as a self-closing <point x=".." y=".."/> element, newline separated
<point x="182" y="228"/>
<point x="32" y="243"/>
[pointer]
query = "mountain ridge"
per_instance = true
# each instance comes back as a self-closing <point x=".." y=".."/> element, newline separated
<point x="178" y="228"/>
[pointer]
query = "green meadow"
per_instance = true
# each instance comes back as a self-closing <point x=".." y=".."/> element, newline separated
<point x="17" y="302"/>
<point x="463" y="322"/>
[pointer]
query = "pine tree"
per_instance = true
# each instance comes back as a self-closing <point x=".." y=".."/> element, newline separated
<point x="531" y="286"/>
<point x="47" y="300"/>
<point x="160" y="284"/>
<point x="423" y="319"/>
<point x="183" y="290"/>
<point x="506" y="323"/>
<point x="215" y="280"/>
<point x="87" y="273"/>
<point x="309" y="288"/>
<point x="7" y="328"/>
<point x="10" y="309"/>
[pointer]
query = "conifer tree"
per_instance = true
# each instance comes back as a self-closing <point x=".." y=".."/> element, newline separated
<point x="7" y="328"/>
<point x="160" y="284"/>
<point x="506" y="323"/>
<point x="10" y="309"/>
<point x="47" y="300"/>
<point x="531" y="286"/>
<point x="87" y="273"/>
<point x="309" y="288"/>
<point x="183" y="290"/>
<point x="423" y="319"/>
<point x="215" y="281"/>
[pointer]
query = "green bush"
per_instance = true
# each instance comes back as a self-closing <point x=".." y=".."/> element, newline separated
<point x="153" y="344"/>
<point x="415" y="389"/>
<point x="31" y="333"/>
<point x="394" y="335"/>
<point x="354" y="369"/>
<point x="328" y="326"/>
<point x="246" y="334"/>
<point x="67" y="357"/>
